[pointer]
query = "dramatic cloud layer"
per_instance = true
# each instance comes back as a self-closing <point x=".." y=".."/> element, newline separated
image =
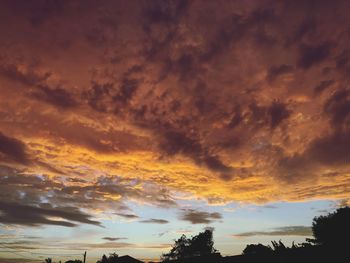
<point x="152" y="102"/>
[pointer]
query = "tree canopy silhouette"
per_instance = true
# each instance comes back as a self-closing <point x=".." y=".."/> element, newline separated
<point x="332" y="229"/>
<point x="113" y="258"/>
<point x="331" y="234"/>
<point x="199" y="245"/>
<point x="257" y="249"/>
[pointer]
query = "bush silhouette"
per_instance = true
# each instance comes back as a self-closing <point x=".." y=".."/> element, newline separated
<point x="279" y="247"/>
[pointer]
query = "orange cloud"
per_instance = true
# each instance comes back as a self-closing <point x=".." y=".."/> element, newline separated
<point x="171" y="100"/>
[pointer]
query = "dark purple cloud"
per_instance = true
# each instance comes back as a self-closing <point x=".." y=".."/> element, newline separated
<point x="13" y="149"/>
<point x="154" y="221"/>
<point x="18" y="214"/>
<point x="199" y="217"/>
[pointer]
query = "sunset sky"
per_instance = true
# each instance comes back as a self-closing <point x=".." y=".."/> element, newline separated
<point x="125" y="124"/>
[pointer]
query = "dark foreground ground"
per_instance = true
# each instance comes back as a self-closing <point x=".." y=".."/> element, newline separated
<point x="300" y="255"/>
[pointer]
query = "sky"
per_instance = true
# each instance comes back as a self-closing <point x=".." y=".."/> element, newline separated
<point x="125" y="124"/>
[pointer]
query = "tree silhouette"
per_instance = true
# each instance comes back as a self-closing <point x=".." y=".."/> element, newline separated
<point x="200" y="245"/>
<point x="113" y="258"/>
<point x="103" y="260"/>
<point x="333" y="229"/>
<point x="257" y="249"/>
<point x="330" y="243"/>
<point x="203" y="244"/>
<point x="180" y="250"/>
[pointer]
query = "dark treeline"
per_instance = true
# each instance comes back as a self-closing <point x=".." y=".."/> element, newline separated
<point x="330" y="243"/>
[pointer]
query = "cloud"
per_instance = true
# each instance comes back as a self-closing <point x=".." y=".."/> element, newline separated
<point x="38" y="13"/>
<point x="338" y="107"/>
<point x="269" y="207"/>
<point x="323" y="85"/>
<point x="127" y="216"/>
<point x="155" y="221"/>
<point x="114" y="245"/>
<point x="18" y="214"/>
<point x="105" y="194"/>
<point x="55" y="96"/>
<point x="272" y="115"/>
<point x="27" y="75"/>
<point x="311" y="55"/>
<point x="105" y="245"/>
<point x="199" y="217"/>
<point x="97" y="94"/>
<point x="20" y="244"/>
<point x="113" y="238"/>
<point x="132" y="190"/>
<point x="276" y="71"/>
<point x="281" y="231"/>
<point x="163" y="233"/>
<point x="332" y="150"/>
<point x="15" y="260"/>
<point x="42" y="85"/>
<point x="127" y="89"/>
<point x="13" y="149"/>
<point x="158" y="102"/>
<point x="47" y="244"/>
<point x="223" y="102"/>
<point x="278" y="112"/>
<point x="178" y="143"/>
